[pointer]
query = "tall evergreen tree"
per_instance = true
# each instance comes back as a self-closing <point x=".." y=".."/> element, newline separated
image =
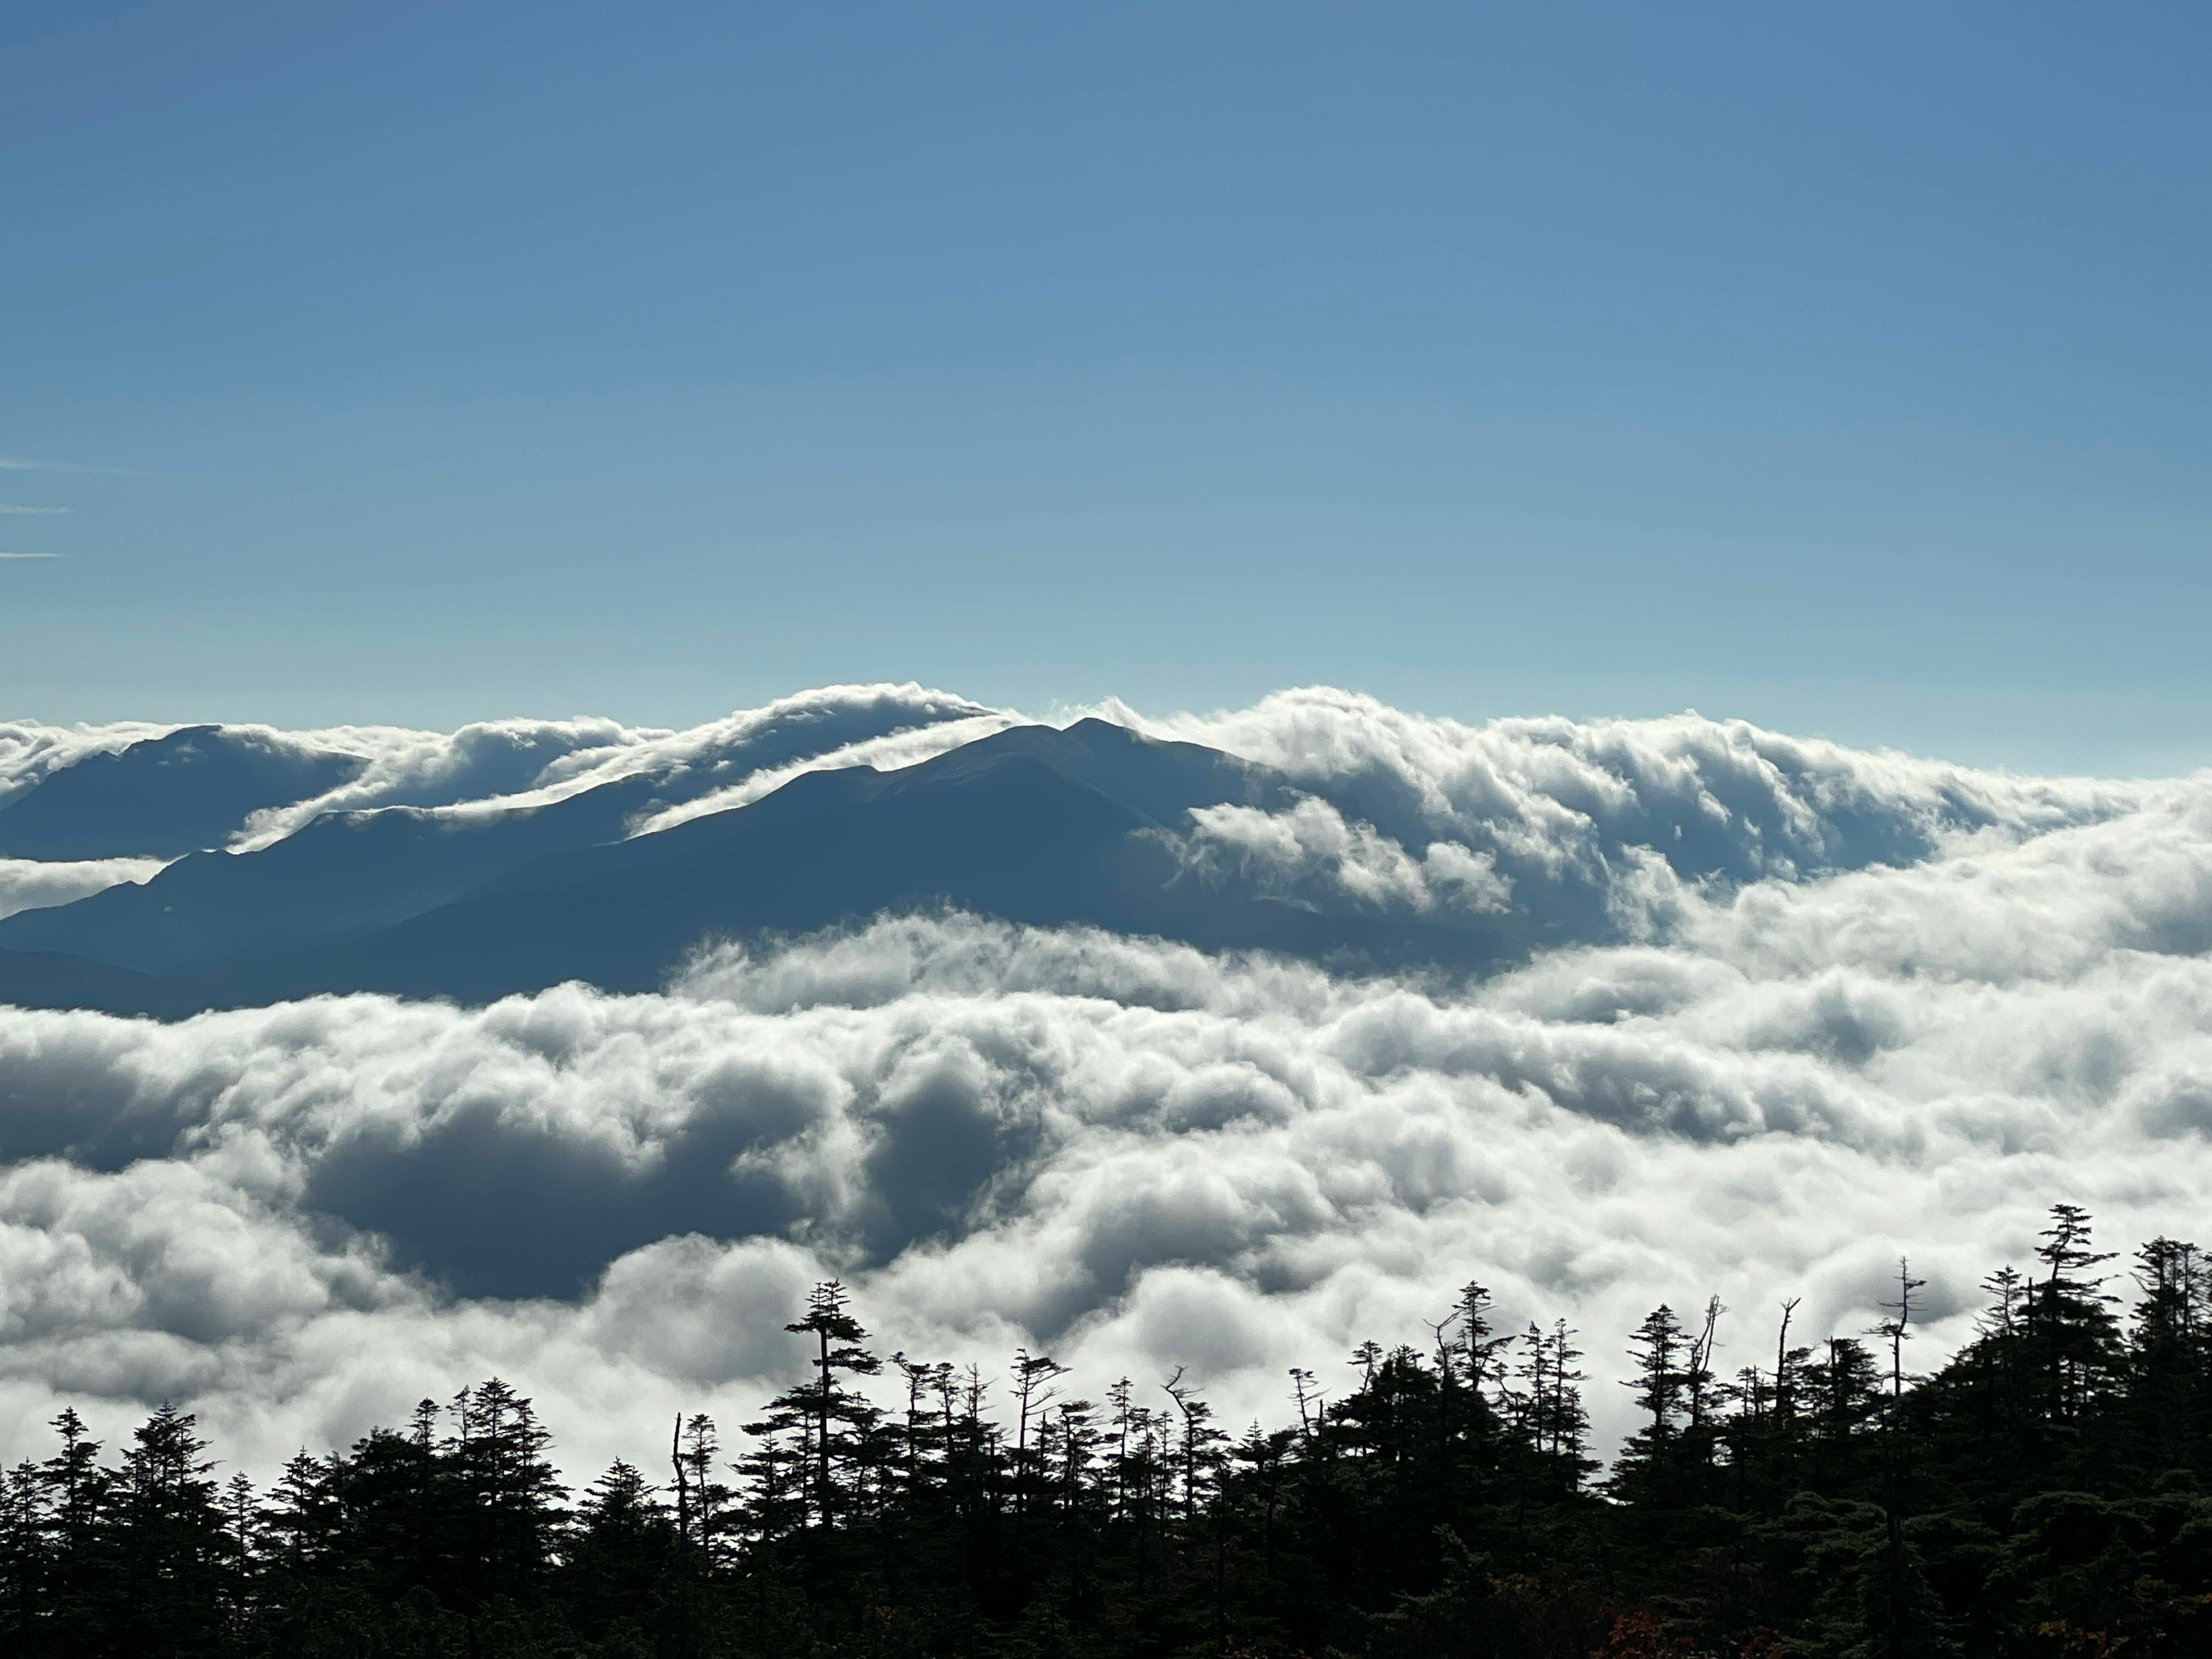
<point x="839" y="1415"/>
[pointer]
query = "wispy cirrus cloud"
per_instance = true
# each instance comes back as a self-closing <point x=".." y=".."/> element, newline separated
<point x="32" y="463"/>
<point x="30" y="555"/>
<point x="16" y="507"/>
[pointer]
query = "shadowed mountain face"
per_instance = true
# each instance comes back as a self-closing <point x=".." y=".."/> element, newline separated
<point x="1033" y="825"/>
<point x="164" y="797"/>
<point x="47" y="979"/>
<point x="344" y="875"/>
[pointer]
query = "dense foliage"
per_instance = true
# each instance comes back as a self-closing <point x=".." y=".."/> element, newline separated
<point x="2037" y="1495"/>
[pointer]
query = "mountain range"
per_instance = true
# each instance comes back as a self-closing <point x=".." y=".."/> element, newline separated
<point x="1030" y="824"/>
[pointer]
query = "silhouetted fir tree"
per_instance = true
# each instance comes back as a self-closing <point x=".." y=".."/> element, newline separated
<point x="505" y="1496"/>
<point x="922" y="1424"/>
<point x="622" y="1567"/>
<point x="1903" y="1613"/>
<point x="2170" y="1354"/>
<point x="398" y="1512"/>
<point x="2072" y="1331"/>
<point x="80" y="1591"/>
<point x="1897" y="1330"/>
<point x="1651" y="1466"/>
<point x="1769" y="1438"/>
<point x="838" y="1414"/>
<point x="170" y="1554"/>
<point x="242" y="1554"/>
<point x="1031" y="1381"/>
<point x="2035" y="1495"/>
<point x="25" y="1555"/>
<point x="1843" y="1394"/>
<point x="705" y="1522"/>
<point x="300" y="1516"/>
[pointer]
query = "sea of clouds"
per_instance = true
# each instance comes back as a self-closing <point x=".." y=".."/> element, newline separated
<point x="1788" y="1011"/>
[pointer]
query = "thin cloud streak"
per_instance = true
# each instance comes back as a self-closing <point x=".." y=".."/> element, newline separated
<point x="30" y="555"/>
<point x="29" y="464"/>
<point x="37" y="512"/>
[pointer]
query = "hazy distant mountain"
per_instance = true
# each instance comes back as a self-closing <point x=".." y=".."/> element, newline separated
<point x="345" y="874"/>
<point x="167" y="795"/>
<point x="456" y="813"/>
<point x="1034" y="824"/>
<point x="47" y="979"/>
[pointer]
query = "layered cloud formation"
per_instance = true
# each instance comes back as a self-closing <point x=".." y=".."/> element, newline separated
<point x="35" y="884"/>
<point x="502" y="766"/>
<point x="29" y="751"/>
<point x="1808" y="1009"/>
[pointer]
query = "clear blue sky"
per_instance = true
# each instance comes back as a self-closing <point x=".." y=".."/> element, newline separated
<point x="1844" y="368"/>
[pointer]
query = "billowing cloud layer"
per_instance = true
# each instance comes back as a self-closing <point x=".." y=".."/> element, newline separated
<point x="1558" y="830"/>
<point x="1601" y="829"/>
<point x="33" y="883"/>
<point x="498" y="767"/>
<point x="501" y="765"/>
<point x="30" y="750"/>
<point x="1834" y="1006"/>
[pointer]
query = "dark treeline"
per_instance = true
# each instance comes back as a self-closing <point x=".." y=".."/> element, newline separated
<point x="2037" y="1495"/>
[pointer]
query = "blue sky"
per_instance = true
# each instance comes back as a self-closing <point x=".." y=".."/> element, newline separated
<point x="1844" y="372"/>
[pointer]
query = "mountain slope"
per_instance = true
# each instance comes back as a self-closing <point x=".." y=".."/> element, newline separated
<point x="345" y="874"/>
<point x="166" y="796"/>
<point x="47" y="979"/>
<point x="1034" y="825"/>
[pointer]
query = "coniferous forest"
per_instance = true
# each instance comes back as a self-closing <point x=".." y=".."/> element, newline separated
<point x="2042" y="1493"/>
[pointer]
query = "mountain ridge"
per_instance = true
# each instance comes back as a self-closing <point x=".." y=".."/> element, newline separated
<point x="1034" y="824"/>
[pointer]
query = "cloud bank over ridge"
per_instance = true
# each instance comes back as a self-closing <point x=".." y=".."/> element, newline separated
<point x="1813" y="1007"/>
<point x="34" y="883"/>
<point x="506" y="765"/>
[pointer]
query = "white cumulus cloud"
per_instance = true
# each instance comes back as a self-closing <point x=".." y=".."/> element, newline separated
<point x="1813" y="1009"/>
